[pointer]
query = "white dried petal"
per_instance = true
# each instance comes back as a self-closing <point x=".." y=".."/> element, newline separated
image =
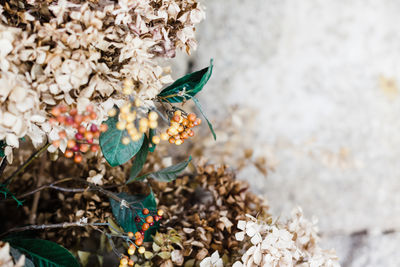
<point x="239" y="236"/>
<point x="241" y="225"/>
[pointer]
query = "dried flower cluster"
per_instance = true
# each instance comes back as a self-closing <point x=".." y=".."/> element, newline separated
<point x="80" y="52"/>
<point x="204" y="210"/>
<point x="294" y="243"/>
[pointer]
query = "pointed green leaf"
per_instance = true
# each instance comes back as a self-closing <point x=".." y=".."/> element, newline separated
<point x="111" y="145"/>
<point x="189" y="85"/>
<point x="125" y="216"/>
<point x="168" y="174"/>
<point x="140" y="160"/>
<point x="44" y="253"/>
<point x="197" y="102"/>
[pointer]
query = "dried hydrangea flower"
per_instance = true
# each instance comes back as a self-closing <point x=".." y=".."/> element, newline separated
<point x="213" y="261"/>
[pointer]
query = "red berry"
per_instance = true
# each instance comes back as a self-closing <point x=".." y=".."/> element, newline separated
<point x="139" y="241"/>
<point x="94" y="148"/>
<point x="81" y="129"/>
<point x="93" y="128"/>
<point x="142" y="232"/>
<point x="70" y="120"/>
<point x="73" y="112"/>
<point x="75" y="148"/>
<point x="79" y="136"/>
<point x="90" y="141"/>
<point x="137" y="219"/>
<point x="151" y="224"/>
<point x="156" y="218"/>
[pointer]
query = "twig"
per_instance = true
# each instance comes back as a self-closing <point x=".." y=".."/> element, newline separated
<point x="36" y="197"/>
<point x="35" y="155"/>
<point x="3" y="165"/>
<point x="50" y="226"/>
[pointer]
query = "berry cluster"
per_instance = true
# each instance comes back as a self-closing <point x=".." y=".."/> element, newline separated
<point x="135" y="126"/>
<point x="138" y="237"/>
<point x="181" y="125"/>
<point x="87" y="132"/>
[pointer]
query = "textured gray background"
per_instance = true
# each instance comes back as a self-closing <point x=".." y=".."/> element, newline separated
<point x="318" y="81"/>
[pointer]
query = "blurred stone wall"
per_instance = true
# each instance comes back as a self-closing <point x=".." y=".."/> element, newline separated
<point x="312" y="86"/>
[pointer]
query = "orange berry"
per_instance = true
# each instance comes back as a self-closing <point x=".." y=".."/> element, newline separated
<point x="69" y="153"/>
<point x="138" y="235"/>
<point x="145" y="211"/>
<point x="131" y="263"/>
<point x="190" y="125"/>
<point x="73" y="112"/>
<point x="86" y="118"/>
<point x="181" y="128"/>
<point x="139" y="241"/>
<point x="191" y="133"/>
<point x="89" y="108"/>
<point x="56" y="143"/>
<point x="88" y="135"/>
<point x="71" y="143"/>
<point x="191" y="117"/>
<point x="149" y="219"/>
<point x="81" y="129"/>
<point x="178" y="113"/>
<point x="84" y="148"/>
<point x="61" y="119"/>
<point x="123" y="261"/>
<point x="197" y="121"/>
<point x="52" y="121"/>
<point x="96" y="134"/>
<point x="184" y="135"/>
<point x="78" y="158"/>
<point x="130" y="235"/>
<point x="176" y="118"/>
<point x="145" y="226"/>
<point x="94" y="148"/>
<point x="55" y="111"/>
<point x="78" y="118"/>
<point x="171" y="140"/>
<point x="62" y="134"/>
<point x="93" y="115"/>
<point x="103" y="127"/>
<point x="160" y="212"/>
<point x="63" y="108"/>
<point x="185" y="122"/>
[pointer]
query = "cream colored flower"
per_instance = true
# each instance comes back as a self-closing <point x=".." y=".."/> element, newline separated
<point x="213" y="261"/>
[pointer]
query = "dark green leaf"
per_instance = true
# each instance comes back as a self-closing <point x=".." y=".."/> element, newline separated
<point x="125" y="216"/>
<point x="2" y="145"/>
<point x="152" y="133"/>
<point x="44" y="253"/>
<point x="111" y="145"/>
<point x="196" y="101"/>
<point x="168" y="174"/>
<point x="188" y="85"/>
<point x="140" y="160"/>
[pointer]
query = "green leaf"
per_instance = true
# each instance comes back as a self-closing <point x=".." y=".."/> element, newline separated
<point x="168" y="174"/>
<point x="44" y="253"/>
<point x="125" y="216"/>
<point x="111" y="145"/>
<point x="152" y="133"/>
<point x="196" y="101"/>
<point x="140" y="160"/>
<point x="2" y="145"/>
<point x="189" y="85"/>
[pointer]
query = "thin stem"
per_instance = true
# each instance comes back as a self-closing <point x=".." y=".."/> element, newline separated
<point x="3" y="165"/>
<point x="34" y="156"/>
<point x="50" y="226"/>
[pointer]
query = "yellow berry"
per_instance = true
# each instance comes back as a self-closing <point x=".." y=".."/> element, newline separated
<point x="144" y="122"/>
<point x="178" y="142"/>
<point x="130" y="235"/>
<point x="112" y="112"/>
<point x="121" y="125"/>
<point x="155" y="140"/>
<point x="136" y="137"/>
<point x="132" y="131"/>
<point x="164" y="136"/>
<point x="153" y="124"/>
<point x="125" y="140"/>
<point x="138" y="102"/>
<point x="127" y="90"/>
<point x="178" y="113"/>
<point x="124" y="261"/>
<point x="126" y="108"/>
<point x="130" y="126"/>
<point x="131" y="251"/>
<point x="160" y="212"/>
<point x="142" y="250"/>
<point x="142" y="129"/>
<point x="153" y="116"/>
<point x="130" y="117"/>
